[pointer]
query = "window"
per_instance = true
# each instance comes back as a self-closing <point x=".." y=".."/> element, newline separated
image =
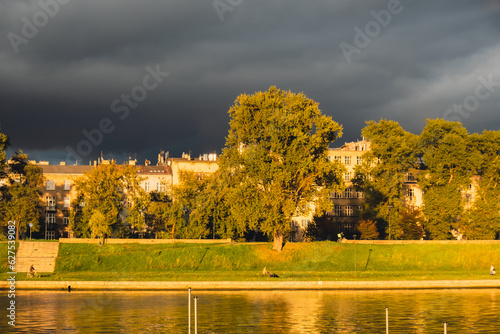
<point x="348" y="193"/>
<point x="66" y="202"/>
<point x="410" y="177"/>
<point x="146" y="186"/>
<point x="347" y="159"/>
<point x="338" y="210"/>
<point x="51" y="235"/>
<point x="410" y="193"/>
<point x="67" y="185"/>
<point x="348" y="210"/>
<point x="359" y="209"/>
<point x="347" y="176"/>
<point x="160" y="187"/>
<point x="50" y="219"/>
<point x="360" y="194"/>
<point x="51" y="185"/>
<point x="51" y="202"/>
<point x="303" y="223"/>
<point x="65" y="220"/>
<point x="359" y="160"/>
<point x="348" y="227"/>
<point x="338" y="158"/>
<point x="337" y="195"/>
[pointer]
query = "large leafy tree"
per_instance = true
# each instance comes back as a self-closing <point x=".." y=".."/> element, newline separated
<point x="22" y="194"/>
<point x="109" y="198"/>
<point x="190" y="213"/>
<point x="4" y="143"/>
<point x="158" y="214"/>
<point x="382" y="175"/>
<point x="450" y="163"/>
<point x="275" y="161"/>
<point x="483" y="214"/>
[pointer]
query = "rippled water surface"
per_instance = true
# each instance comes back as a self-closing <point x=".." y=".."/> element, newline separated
<point x="421" y="311"/>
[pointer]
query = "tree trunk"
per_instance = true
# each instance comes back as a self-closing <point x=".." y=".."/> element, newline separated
<point x="278" y="241"/>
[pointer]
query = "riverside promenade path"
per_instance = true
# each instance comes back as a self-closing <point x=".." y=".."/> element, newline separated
<point x="254" y="285"/>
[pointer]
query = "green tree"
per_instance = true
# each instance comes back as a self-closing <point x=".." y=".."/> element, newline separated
<point x="411" y="224"/>
<point x="483" y="213"/>
<point x="450" y="162"/>
<point x="22" y="196"/>
<point x="136" y="199"/>
<point x="394" y="153"/>
<point x="113" y="192"/>
<point x="158" y="214"/>
<point x="367" y="229"/>
<point x="189" y="214"/>
<point x="275" y="161"/>
<point x="4" y="143"/>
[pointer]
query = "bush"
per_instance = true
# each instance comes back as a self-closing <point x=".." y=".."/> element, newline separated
<point x="368" y="229"/>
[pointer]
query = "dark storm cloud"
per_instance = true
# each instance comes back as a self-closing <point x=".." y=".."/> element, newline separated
<point x="428" y="57"/>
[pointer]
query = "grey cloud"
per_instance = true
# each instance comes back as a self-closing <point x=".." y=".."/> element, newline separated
<point x="64" y="79"/>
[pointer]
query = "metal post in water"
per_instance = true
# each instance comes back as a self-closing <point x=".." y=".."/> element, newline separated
<point x="195" y="315"/>
<point x="387" y="320"/>
<point x="189" y="310"/>
<point x="445" y="325"/>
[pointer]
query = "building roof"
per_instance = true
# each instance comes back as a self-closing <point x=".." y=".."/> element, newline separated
<point x="153" y="170"/>
<point x="65" y="169"/>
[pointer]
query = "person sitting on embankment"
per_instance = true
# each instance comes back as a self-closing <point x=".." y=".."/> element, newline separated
<point x="265" y="272"/>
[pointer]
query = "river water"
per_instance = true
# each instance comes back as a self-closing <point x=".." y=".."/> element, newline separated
<point x="410" y="311"/>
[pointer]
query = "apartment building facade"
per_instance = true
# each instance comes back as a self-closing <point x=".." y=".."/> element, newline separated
<point x="59" y="184"/>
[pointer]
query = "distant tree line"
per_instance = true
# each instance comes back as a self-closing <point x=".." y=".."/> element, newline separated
<point x="458" y="174"/>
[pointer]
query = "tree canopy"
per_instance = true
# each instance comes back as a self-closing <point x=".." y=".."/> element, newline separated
<point x="275" y="161"/>
<point x="22" y="194"/>
<point x="109" y="200"/>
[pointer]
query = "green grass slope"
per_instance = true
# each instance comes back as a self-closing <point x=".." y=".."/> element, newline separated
<point x="297" y="261"/>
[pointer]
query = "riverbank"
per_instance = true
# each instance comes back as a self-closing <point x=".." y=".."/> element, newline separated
<point x="243" y="262"/>
<point x="255" y="285"/>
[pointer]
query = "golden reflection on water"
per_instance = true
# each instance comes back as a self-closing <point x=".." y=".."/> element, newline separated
<point x="410" y="311"/>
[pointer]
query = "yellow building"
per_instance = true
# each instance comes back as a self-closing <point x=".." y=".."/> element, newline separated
<point x="59" y="191"/>
<point x="206" y="164"/>
<point x="348" y="203"/>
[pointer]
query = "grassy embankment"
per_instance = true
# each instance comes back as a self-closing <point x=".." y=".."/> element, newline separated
<point x="298" y="261"/>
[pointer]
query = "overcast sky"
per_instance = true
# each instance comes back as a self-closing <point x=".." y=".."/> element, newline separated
<point x="162" y="74"/>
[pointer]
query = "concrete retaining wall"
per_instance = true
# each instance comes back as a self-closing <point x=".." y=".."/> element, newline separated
<point x="424" y="242"/>
<point x="142" y="241"/>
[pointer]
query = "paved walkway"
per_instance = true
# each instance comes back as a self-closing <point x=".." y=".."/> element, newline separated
<point x="257" y="285"/>
<point x="42" y="255"/>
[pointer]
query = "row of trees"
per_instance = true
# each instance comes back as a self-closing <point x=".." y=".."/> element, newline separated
<point x="446" y="161"/>
<point x="274" y="166"/>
